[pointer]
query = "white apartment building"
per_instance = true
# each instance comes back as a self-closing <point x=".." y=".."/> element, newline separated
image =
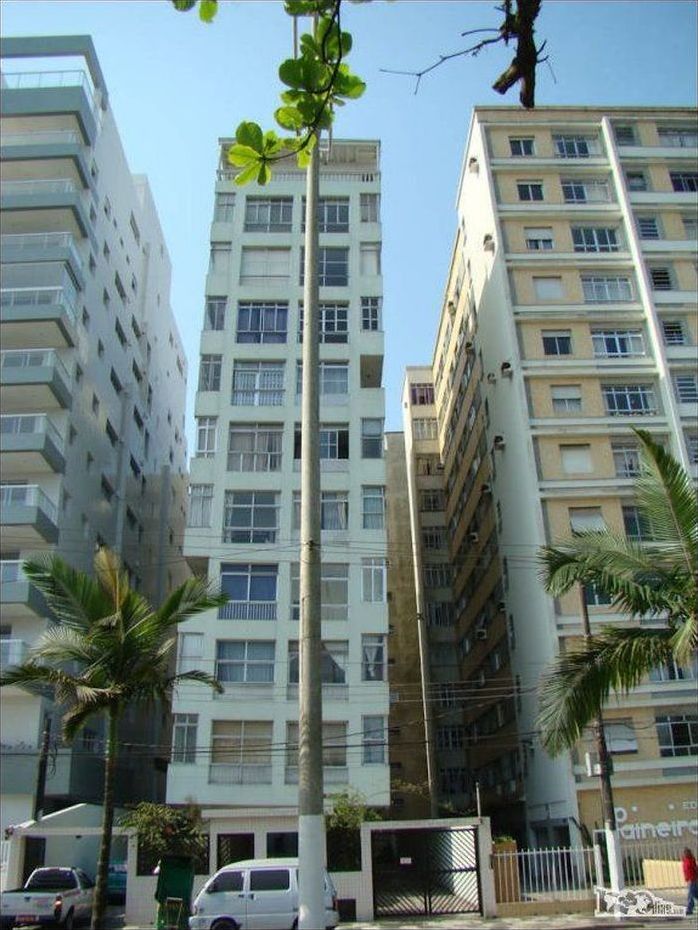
<point x="93" y="376"/>
<point x="569" y="317"/>
<point x="240" y="749"/>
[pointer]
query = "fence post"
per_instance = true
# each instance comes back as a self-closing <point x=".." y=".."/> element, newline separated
<point x="598" y="863"/>
<point x="615" y="860"/>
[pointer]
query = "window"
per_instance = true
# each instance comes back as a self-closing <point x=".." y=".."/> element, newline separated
<point x="268" y="214"/>
<point x="677" y="734"/>
<point x="264" y="263"/>
<point x="184" y="728"/>
<point x="223" y="208"/>
<point x="624" y="135"/>
<point x="111" y="433"/>
<point x="206" y="432"/>
<point x="606" y="289"/>
<point x="594" y="239"/>
<point x="636" y="180"/>
<point x="432" y="501"/>
<point x="620" y="736"/>
<point x="575" y="146"/>
<point x="373" y="740"/>
<point x="617" y="343"/>
<point x="576" y="459"/>
<point x="648" y="227"/>
<point x="241" y="754"/>
<point x="673" y="672"/>
<point x="332" y="214"/>
<point x="250" y="516"/>
<point x="210" y="373"/>
<point x="370" y="258"/>
<point x="690" y="226"/>
<point x="686" y="388"/>
<point x="539" y="238"/>
<point x="684" y="181"/>
<point x="371" y="438"/>
<point x="334" y="379"/>
<point x="548" y="288"/>
<point x="258" y="384"/>
<point x="629" y="399"/>
<point x="370" y="313"/>
<point x="190" y="649"/>
<point x="214" y="317"/>
<point x="200" y="500"/>
<point x="424" y="428"/>
<point x="583" y="190"/>
<point x="566" y="398"/>
<point x="372" y="657"/>
<point x="369" y="204"/>
<point x="220" y="256"/>
<point x="557" y="342"/>
<point x="251" y="590"/>
<point x="333" y="266"/>
<point x="692" y="446"/>
<point x="334" y="745"/>
<point x="450" y="737"/>
<point x="244" y="662"/>
<point x="437" y="575"/>
<point x="626" y="459"/>
<point x="637" y="527"/>
<point x="373" y="578"/>
<point x="421" y="394"/>
<point x="440" y="614"/>
<point x="260" y="322"/>
<point x="254" y="447"/>
<point x="334" y="443"/>
<point x="595" y="597"/>
<point x="530" y="190"/>
<point x="434" y="537"/>
<point x="120" y="334"/>
<point x="683" y="137"/>
<point x="661" y="279"/>
<point x="333" y="663"/>
<point x="586" y="519"/>
<point x="334" y="510"/>
<point x="115" y="382"/>
<point x="334" y="322"/>
<point x="107" y="489"/>
<point x="521" y="146"/>
<point x="334" y="590"/>
<point x="373" y="504"/>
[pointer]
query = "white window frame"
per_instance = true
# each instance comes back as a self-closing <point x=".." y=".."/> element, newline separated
<point x="586" y="519"/>
<point x="557" y="341"/>
<point x="255" y="666"/>
<point x="566" y="398"/>
<point x="585" y="190"/>
<point x="373" y="506"/>
<point x="268" y="214"/>
<point x="266" y="445"/>
<point x="264" y="263"/>
<point x="575" y="146"/>
<point x="214" y="314"/>
<point x="639" y="399"/>
<point x="184" y="737"/>
<point x="334" y="584"/>
<point x="206" y="436"/>
<point x="333" y="322"/>
<point x="261" y="505"/>
<point x="224" y="207"/>
<point x="626" y="458"/>
<point x="190" y="650"/>
<point x="257" y="384"/>
<point x="618" y="343"/>
<point x="373" y="657"/>
<point x="374" y="577"/>
<point x="369" y="207"/>
<point x="373" y="741"/>
<point x="595" y="239"/>
<point x="522" y="143"/>
<point x="210" y="368"/>
<point x="371" y="314"/>
<point x="539" y="238"/>
<point x="686" y="387"/>
<point x="200" y="503"/>
<point x="607" y="289"/>
<point x="266" y="322"/>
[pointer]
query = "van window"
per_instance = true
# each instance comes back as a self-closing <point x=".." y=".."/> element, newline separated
<point x="269" y="880"/>
<point x="229" y="881"/>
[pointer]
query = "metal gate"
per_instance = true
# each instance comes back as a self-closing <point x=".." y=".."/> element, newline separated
<point x="425" y="870"/>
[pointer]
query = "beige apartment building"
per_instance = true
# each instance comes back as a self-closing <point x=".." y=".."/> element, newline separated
<point x="569" y="317"/>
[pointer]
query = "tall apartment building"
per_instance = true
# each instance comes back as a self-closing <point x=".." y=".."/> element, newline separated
<point x="93" y="376"/>
<point x="240" y="749"/>
<point x="569" y="317"/>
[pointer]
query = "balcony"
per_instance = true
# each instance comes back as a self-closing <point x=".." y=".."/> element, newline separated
<point x="47" y="203"/>
<point x="27" y="517"/>
<point x="220" y="773"/>
<point x="47" y="152"/>
<point x="37" y="318"/>
<point x="248" y="610"/>
<point x="17" y="595"/>
<point x="12" y="652"/>
<point x="29" y="444"/>
<point x="35" y="379"/>
<point x="44" y="247"/>
<point x="44" y="92"/>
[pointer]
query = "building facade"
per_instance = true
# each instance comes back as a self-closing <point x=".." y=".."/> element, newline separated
<point x="240" y="750"/>
<point x="93" y="374"/>
<point x="569" y="317"/>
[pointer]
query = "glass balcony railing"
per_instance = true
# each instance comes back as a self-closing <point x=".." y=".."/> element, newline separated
<point x="27" y="495"/>
<point x="33" y="358"/>
<point x="30" y="424"/>
<point x="39" y="297"/>
<point x="27" y="242"/>
<point x="26" y="80"/>
<point x="45" y="137"/>
<point x="40" y="186"/>
<point x="11" y="571"/>
<point x="12" y="652"/>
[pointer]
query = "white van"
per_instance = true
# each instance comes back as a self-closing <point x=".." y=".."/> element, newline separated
<point x="255" y="894"/>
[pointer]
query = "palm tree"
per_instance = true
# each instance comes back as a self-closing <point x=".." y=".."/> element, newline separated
<point x="654" y="578"/>
<point x="109" y="650"/>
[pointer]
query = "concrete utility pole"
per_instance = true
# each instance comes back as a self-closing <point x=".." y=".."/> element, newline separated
<point x="311" y="818"/>
<point x="615" y="865"/>
<point x="40" y="793"/>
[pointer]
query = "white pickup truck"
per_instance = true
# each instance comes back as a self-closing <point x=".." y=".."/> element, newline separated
<point x="51" y="897"/>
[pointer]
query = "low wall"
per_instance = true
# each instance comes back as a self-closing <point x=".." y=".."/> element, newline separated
<point x="545" y="908"/>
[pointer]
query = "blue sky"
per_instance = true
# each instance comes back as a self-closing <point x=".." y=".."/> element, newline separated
<point x="177" y="85"/>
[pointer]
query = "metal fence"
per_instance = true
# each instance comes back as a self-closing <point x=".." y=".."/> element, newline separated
<point x="534" y="875"/>
<point x="653" y="864"/>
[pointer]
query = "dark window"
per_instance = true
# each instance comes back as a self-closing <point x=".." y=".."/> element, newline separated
<point x="270" y="880"/>
<point x="229" y="881"/>
<point x="232" y="847"/>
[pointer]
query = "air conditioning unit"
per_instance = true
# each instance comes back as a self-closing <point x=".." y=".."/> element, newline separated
<point x="451" y="307"/>
<point x="481" y="633"/>
<point x="592" y="764"/>
<point x="469" y="347"/>
<point x="485" y="489"/>
<point x="506" y="369"/>
<point x="501" y="606"/>
<point x="474" y="165"/>
<point x="488" y="243"/>
<point x="491" y="377"/>
<point x="474" y="537"/>
<point x="499" y="442"/>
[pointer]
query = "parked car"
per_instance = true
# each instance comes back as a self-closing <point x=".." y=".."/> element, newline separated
<point x="60" y="897"/>
<point x="255" y="893"/>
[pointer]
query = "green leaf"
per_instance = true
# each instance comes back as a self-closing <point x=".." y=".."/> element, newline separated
<point x="308" y="45"/>
<point x="288" y="118"/>
<point x="272" y="143"/>
<point x="241" y="155"/>
<point x="300" y="7"/>
<point x="291" y="72"/>
<point x="303" y="158"/>
<point x="183" y="6"/>
<point x="264" y="175"/>
<point x="348" y="84"/>
<point x="247" y="174"/>
<point x="250" y="134"/>
<point x="208" y="10"/>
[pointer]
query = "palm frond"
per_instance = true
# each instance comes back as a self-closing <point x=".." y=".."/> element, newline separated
<point x="194" y="596"/>
<point x="63" y="644"/>
<point x="72" y="595"/>
<point x="578" y="683"/>
<point x="196" y="675"/>
<point x="77" y="716"/>
<point x="110" y="576"/>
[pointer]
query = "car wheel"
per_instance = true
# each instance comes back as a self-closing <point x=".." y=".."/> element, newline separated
<point x="224" y="925"/>
<point x="69" y="922"/>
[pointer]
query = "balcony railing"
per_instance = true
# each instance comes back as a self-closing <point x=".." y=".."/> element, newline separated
<point x="33" y="358"/>
<point x="248" y="610"/>
<point x="45" y="240"/>
<point x="32" y="424"/>
<point x="11" y="571"/>
<point x="220" y="773"/>
<point x="27" y="495"/>
<point x="45" y="137"/>
<point x="39" y="297"/>
<point x="23" y="80"/>
<point x="40" y="186"/>
<point x="12" y="652"/>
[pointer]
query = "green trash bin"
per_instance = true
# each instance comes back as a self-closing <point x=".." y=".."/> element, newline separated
<point x="173" y="892"/>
